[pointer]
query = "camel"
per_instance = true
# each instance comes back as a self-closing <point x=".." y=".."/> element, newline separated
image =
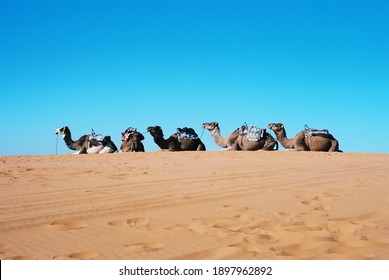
<point x="237" y="140"/>
<point x="87" y="144"/>
<point x="323" y="142"/>
<point x="131" y="141"/>
<point x="176" y="142"/>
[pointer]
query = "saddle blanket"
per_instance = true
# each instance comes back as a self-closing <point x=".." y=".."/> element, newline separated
<point x="98" y="137"/>
<point x="130" y="130"/>
<point x="254" y="133"/>
<point x="187" y="133"/>
<point x="309" y="132"/>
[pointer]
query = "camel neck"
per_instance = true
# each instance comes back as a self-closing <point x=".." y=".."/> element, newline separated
<point x="284" y="140"/>
<point x="69" y="142"/>
<point x="282" y="135"/>
<point x="219" y="140"/>
<point x="160" y="141"/>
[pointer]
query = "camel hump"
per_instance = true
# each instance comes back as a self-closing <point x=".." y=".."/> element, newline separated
<point x="309" y="132"/>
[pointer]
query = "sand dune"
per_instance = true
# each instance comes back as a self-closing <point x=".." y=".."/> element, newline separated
<point x="195" y="205"/>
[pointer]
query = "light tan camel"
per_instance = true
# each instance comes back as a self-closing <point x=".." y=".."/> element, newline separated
<point x="175" y="142"/>
<point x="319" y="143"/>
<point x="237" y="140"/>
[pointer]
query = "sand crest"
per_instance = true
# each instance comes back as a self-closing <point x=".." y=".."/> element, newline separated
<point x="195" y="205"/>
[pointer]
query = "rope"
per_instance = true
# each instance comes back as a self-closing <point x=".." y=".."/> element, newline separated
<point x="56" y="146"/>
<point x="202" y="133"/>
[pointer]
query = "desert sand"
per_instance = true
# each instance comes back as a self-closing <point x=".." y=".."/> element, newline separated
<point x="195" y="205"/>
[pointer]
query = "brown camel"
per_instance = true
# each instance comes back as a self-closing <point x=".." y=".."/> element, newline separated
<point x="322" y="142"/>
<point x="237" y="140"/>
<point x="87" y="144"/>
<point x="177" y="141"/>
<point x="132" y="141"/>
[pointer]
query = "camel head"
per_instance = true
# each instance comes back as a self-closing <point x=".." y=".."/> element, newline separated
<point x="125" y="136"/>
<point x="62" y="131"/>
<point x="132" y="134"/>
<point x="276" y="126"/>
<point x="155" y="130"/>
<point x="211" y="125"/>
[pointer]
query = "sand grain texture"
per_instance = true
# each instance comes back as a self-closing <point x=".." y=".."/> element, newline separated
<point x="195" y="205"/>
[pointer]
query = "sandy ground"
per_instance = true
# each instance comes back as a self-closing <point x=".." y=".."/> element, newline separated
<point x="195" y="205"/>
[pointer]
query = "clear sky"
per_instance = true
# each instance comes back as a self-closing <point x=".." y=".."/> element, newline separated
<point x="109" y="65"/>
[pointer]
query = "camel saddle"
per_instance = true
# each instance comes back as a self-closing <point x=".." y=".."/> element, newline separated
<point x="309" y="132"/>
<point x="129" y="131"/>
<point x="253" y="133"/>
<point x="187" y="133"/>
<point x="99" y="137"/>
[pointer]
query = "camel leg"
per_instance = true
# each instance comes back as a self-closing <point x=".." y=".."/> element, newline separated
<point x="106" y="150"/>
<point x="200" y="147"/>
<point x="299" y="143"/>
<point x="269" y="146"/>
<point x="334" y="146"/>
<point x="134" y="146"/>
<point x="232" y="148"/>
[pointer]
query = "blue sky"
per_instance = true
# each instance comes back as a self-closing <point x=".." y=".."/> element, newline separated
<point x="109" y="65"/>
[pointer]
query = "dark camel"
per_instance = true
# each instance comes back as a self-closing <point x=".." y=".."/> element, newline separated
<point x="174" y="142"/>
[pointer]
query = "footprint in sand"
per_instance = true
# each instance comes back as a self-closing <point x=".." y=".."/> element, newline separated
<point x="22" y="258"/>
<point x="305" y="202"/>
<point x="139" y="222"/>
<point x="345" y="232"/>
<point x="239" y="209"/>
<point x="230" y="253"/>
<point x="341" y="251"/>
<point x="86" y="255"/>
<point x="3" y="247"/>
<point x="63" y="225"/>
<point x="144" y="247"/>
<point x="315" y="203"/>
<point x="216" y="227"/>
